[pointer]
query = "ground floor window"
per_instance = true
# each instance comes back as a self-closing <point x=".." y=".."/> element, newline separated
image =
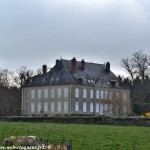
<point x="101" y="109"/>
<point x="39" y="107"/>
<point x="65" y="106"/>
<point x="84" y="106"/>
<point x="46" y="106"/>
<point x="52" y="106"/>
<point x="76" y="106"/>
<point x="97" y="107"/>
<point x="91" y="107"/>
<point x="59" y="106"/>
<point x="32" y="107"/>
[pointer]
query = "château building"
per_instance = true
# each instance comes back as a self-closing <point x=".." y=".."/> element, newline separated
<point x="75" y="87"/>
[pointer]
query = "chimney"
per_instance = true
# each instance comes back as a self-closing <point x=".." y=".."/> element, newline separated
<point x="73" y="65"/>
<point x="44" y="69"/>
<point x="82" y="64"/>
<point x="107" y="67"/>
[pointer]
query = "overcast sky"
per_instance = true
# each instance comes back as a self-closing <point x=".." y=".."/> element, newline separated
<point x="37" y="32"/>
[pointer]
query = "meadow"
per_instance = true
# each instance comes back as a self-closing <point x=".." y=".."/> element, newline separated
<point x="84" y="137"/>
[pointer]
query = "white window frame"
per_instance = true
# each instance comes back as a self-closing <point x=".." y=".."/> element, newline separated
<point x="32" y="107"/>
<point x="76" y="106"/>
<point x="59" y="107"/>
<point x="59" y="93"/>
<point x="45" y="93"/>
<point x="91" y="94"/>
<point x="102" y="94"/>
<point x="65" y="106"/>
<point x="39" y="107"/>
<point x="97" y="94"/>
<point x="84" y="107"/>
<point x="52" y="93"/>
<point x="39" y="93"/>
<point x="91" y="108"/>
<point x="101" y="109"/>
<point x="124" y="96"/>
<point x="66" y="92"/>
<point x="106" y="94"/>
<point x="110" y="95"/>
<point x="32" y="94"/>
<point x="52" y="106"/>
<point x="77" y="93"/>
<point x="84" y="93"/>
<point x="97" y="107"/>
<point x="45" y="106"/>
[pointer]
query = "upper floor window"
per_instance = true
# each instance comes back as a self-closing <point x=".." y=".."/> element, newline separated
<point x="52" y="93"/>
<point x="102" y="94"/>
<point x="97" y="94"/>
<point x="46" y="93"/>
<point x="77" y="93"/>
<point x="39" y="94"/>
<point x="110" y="95"/>
<point x="91" y="94"/>
<point x="84" y="93"/>
<point x="32" y="94"/>
<point x="124" y="96"/>
<point x="65" y="92"/>
<point x="59" y="93"/>
<point x="106" y="94"/>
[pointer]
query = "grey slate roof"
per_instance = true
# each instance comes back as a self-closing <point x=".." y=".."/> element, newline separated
<point x="61" y="74"/>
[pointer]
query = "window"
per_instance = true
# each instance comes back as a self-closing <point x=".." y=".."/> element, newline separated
<point x="124" y="109"/>
<point x="102" y="94"/>
<point x="59" y="93"/>
<point x="97" y="94"/>
<point x="76" y="106"/>
<point x="77" y="93"/>
<point x="84" y="106"/>
<point x="52" y="93"/>
<point x="39" y="94"/>
<point x="91" y="107"/>
<point x="91" y="94"/>
<point x="65" y="106"/>
<point x="117" y="95"/>
<point x="52" y="107"/>
<point x="46" y="93"/>
<point x="46" y="106"/>
<point x="59" y="106"/>
<point x="32" y="107"/>
<point x="39" y="107"/>
<point x="106" y="94"/>
<point x="97" y="107"/>
<point x="110" y="109"/>
<point x="110" y="95"/>
<point x="84" y="93"/>
<point x="124" y="96"/>
<point x="32" y="94"/>
<point x="101" y="109"/>
<point x="106" y="107"/>
<point x="65" y="92"/>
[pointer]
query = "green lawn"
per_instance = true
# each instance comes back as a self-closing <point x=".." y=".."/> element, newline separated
<point x="84" y="137"/>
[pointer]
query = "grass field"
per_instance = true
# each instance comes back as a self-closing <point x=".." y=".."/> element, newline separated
<point x="84" y="137"/>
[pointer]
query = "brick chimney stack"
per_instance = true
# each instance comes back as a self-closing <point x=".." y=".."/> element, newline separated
<point x="82" y="64"/>
<point x="107" y="67"/>
<point x="44" y="69"/>
<point x="73" y="65"/>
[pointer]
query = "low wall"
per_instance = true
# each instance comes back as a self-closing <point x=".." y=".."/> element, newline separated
<point x="81" y="120"/>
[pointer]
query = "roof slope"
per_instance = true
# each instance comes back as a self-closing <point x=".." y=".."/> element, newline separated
<point x="62" y="74"/>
